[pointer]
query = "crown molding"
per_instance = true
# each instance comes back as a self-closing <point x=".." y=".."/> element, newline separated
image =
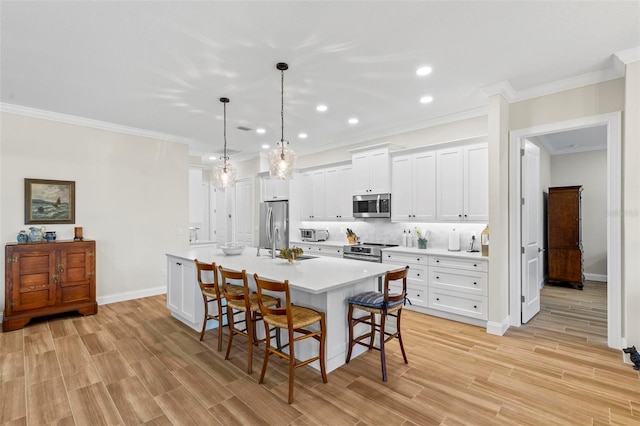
<point x="628" y="56"/>
<point x="505" y="89"/>
<point x="94" y="124"/>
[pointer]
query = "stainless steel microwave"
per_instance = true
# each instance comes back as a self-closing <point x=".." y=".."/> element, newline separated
<point x="372" y="205"/>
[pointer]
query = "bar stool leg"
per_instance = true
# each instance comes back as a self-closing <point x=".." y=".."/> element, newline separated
<point x="383" y="359"/>
<point x="204" y="323"/>
<point x="292" y="362"/>
<point x="232" y="325"/>
<point x="249" y="317"/>
<point x="404" y="355"/>
<point x="323" y="340"/>
<point x="372" y="319"/>
<point x="350" y="317"/>
<point x="267" y="351"/>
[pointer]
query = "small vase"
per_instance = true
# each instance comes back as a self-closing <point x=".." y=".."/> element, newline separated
<point x="422" y="243"/>
<point x="22" y="237"/>
<point x="36" y="234"/>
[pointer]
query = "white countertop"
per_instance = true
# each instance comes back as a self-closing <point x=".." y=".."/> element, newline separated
<point x="319" y="243"/>
<point x="316" y="275"/>
<point x="437" y="252"/>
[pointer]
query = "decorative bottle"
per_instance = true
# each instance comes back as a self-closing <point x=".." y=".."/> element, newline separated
<point x="484" y="241"/>
<point x="22" y="237"/>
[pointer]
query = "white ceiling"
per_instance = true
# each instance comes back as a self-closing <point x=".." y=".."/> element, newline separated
<point x="162" y="66"/>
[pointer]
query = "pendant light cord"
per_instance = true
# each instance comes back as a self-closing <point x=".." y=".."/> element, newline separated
<point x="282" y="111"/>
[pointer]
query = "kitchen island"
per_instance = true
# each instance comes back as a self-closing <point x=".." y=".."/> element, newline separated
<point x="320" y="283"/>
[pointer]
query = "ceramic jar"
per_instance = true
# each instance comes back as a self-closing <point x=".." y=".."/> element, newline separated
<point x="22" y="237"/>
<point x="50" y="236"/>
<point x="36" y="234"/>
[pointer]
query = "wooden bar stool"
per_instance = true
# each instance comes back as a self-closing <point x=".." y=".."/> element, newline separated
<point x="211" y="293"/>
<point x="383" y="304"/>
<point x="294" y="319"/>
<point x="248" y="304"/>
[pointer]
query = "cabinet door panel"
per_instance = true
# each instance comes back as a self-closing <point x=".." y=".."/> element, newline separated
<point x="424" y="186"/>
<point x="450" y="182"/>
<point x="402" y="189"/>
<point x="379" y="171"/>
<point x="332" y="192"/>
<point x="32" y="283"/>
<point x="360" y="163"/>
<point x="476" y="196"/>
<point x="76" y="293"/>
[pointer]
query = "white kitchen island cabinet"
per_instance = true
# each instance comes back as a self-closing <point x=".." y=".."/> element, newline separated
<point x="321" y="283"/>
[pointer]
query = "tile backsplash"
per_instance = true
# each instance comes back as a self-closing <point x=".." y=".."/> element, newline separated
<point x="384" y="231"/>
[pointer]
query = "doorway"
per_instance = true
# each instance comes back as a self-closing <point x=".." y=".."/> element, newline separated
<point x="612" y="122"/>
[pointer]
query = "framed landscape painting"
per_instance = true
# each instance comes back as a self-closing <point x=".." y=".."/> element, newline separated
<point x="49" y="201"/>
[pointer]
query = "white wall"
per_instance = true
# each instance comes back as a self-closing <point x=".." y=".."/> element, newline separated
<point x="588" y="169"/>
<point x="131" y="196"/>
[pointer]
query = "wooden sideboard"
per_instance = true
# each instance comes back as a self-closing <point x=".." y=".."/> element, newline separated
<point x="48" y="278"/>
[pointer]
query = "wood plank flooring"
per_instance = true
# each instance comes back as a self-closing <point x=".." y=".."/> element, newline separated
<point x="133" y="364"/>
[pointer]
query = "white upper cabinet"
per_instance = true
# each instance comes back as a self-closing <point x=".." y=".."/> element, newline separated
<point x="338" y="193"/>
<point x="463" y="183"/>
<point x="371" y="171"/>
<point x="274" y="189"/>
<point x="313" y="195"/>
<point x="413" y="187"/>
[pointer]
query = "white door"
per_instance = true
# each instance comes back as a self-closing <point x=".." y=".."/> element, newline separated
<point x="244" y="212"/>
<point x="531" y="214"/>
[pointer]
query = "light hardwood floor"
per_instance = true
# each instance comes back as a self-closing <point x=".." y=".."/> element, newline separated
<point x="133" y="364"/>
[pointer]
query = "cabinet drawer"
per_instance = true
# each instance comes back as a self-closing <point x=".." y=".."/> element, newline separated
<point x="452" y="262"/>
<point x="458" y="280"/>
<point x="404" y="258"/>
<point x="417" y="273"/>
<point x="416" y="294"/>
<point x="468" y="305"/>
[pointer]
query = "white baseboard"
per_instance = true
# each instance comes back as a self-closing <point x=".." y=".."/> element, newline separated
<point x="121" y="297"/>
<point x="595" y="277"/>
<point x="498" y="328"/>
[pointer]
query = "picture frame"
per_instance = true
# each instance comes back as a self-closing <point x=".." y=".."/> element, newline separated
<point x="49" y="201"/>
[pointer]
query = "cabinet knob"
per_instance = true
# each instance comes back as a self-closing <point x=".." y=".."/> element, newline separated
<point x="437" y="278"/>
<point x="459" y="215"/>
<point x="437" y="261"/>
<point x="178" y="263"/>
<point x="437" y="299"/>
<point x="475" y="307"/>
<point x="475" y="266"/>
<point x="418" y="275"/>
<point x="474" y="283"/>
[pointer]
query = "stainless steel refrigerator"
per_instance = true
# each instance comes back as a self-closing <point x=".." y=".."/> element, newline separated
<point x="274" y="224"/>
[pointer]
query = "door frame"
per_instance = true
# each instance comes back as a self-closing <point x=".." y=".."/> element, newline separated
<point x="614" y="217"/>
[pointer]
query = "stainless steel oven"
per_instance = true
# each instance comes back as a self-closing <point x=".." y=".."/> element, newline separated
<point x="372" y="205"/>
<point x="369" y="252"/>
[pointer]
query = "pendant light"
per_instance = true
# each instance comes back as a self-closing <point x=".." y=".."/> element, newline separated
<point x="224" y="175"/>
<point x="282" y="159"/>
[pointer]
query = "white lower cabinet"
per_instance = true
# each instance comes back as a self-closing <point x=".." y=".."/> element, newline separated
<point x="458" y="286"/>
<point x="184" y="299"/>
<point x="417" y="289"/>
<point x="447" y="286"/>
<point x="321" y="249"/>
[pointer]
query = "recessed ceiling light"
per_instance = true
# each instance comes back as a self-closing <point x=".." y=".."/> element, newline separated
<point x="423" y="71"/>
<point x="426" y="99"/>
<point x="321" y="108"/>
<point x="265" y="146"/>
<point x="353" y="121"/>
<point x="302" y="135"/>
<point x="260" y="130"/>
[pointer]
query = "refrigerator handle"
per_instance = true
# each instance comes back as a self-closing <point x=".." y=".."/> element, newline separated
<point x="378" y="204"/>
<point x="269" y="224"/>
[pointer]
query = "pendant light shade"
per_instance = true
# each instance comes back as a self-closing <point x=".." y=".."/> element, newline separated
<point x="282" y="160"/>
<point x="224" y="175"/>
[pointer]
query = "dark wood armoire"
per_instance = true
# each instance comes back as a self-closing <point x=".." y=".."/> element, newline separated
<point x="564" y="222"/>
